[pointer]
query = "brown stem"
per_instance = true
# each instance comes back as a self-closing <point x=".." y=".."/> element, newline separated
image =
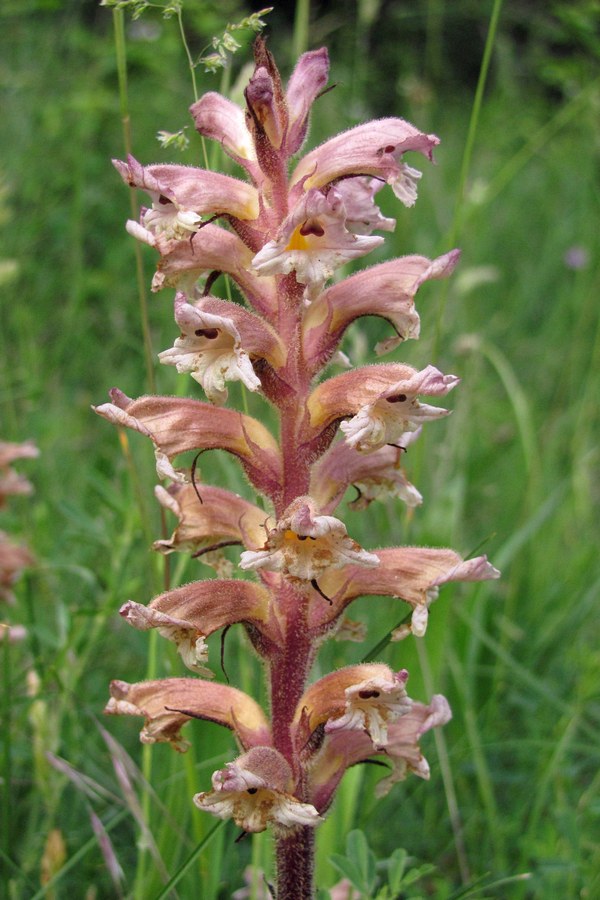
<point x="290" y="666"/>
<point x="289" y="671"/>
<point x="295" y="865"/>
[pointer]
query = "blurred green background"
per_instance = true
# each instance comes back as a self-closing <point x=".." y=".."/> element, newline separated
<point x="514" y="471"/>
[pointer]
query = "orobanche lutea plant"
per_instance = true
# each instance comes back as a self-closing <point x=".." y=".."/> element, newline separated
<point x="280" y="236"/>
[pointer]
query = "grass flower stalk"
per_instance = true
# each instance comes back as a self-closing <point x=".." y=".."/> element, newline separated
<point x="280" y="235"/>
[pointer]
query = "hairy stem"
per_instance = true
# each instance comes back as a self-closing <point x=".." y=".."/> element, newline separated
<point x="295" y="865"/>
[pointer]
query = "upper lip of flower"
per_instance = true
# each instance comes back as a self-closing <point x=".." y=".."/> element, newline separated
<point x="369" y="149"/>
<point x="387" y="290"/>
<point x="409" y="573"/>
<point x="168" y="703"/>
<point x="195" y="191"/>
<point x="176" y="425"/>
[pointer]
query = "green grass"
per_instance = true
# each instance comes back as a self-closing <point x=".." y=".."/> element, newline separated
<point x="514" y="469"/>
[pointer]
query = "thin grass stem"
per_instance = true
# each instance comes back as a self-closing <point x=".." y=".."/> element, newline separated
<point x="301" y="27"/>
<point x="445" y="769"/>
<point x="121" y="55"/>
<point x="189" y="862"/>
<point x="457" y="221"/>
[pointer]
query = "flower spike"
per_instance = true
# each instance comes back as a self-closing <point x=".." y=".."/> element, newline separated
<point x="280" y="237"/>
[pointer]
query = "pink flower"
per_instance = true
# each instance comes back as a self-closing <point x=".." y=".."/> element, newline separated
<point x="254" y="791"/>
<point x="365" y="698"/>
<point x="375" y="148"/>
<point x="304" y="544"/>
<point x="168" y="704"/>
<point x="313" y="241"/>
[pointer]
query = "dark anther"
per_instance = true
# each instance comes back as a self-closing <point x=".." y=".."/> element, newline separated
<point x="319" y="591"/>
<point x="399" y="398"/>
<point x="368" y="695"/>
<point x="210" y="333"/>
<point x="241" y="836"/>
<point x="163" y="200"/>
<point x="252" y="790"/>
<point x="372" y="762"/>
<point x="390" y="148"/>
<point x="209" y="221"/>
<point x="326" y="90"/>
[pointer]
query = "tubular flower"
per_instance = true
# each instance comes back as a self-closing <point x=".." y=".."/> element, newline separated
<point x="210" y="349"/>
<point x="381" y="403"/>
<point x="365" y="698"/>
<point x="375" y="148"/>
<point x="313" y="241"/>
<point x="280" y="236"/>
<point x="342" y="749"/>
<point x="170" y="703"/>
<point x="304" y="544"/>
<point x="187" y="615"/>
<point x="254" y="792"/>
<point x="396" y="412"/>
<point x="374" y="476"/>
<point x="221" y="519"/>
<point x="386" y="290"/>
<point x="181" y="196"/>
<point x="413" y="573"/>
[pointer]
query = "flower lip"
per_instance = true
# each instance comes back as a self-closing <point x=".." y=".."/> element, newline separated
<point x="254" y="791"/>
<point x="372" y="705"/>
<point x="313" y="241"/>
<point x="210" y="348"/>
<point x="304" y="544"/>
